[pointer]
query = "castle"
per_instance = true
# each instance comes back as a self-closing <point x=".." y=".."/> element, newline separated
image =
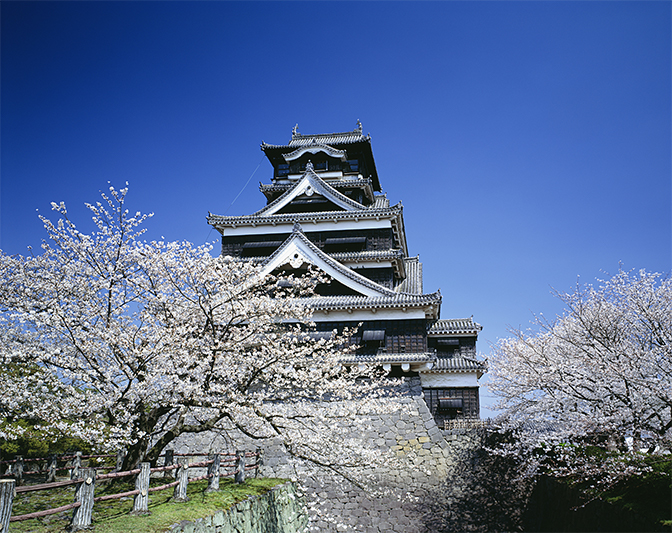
<point x="325" y="209"/>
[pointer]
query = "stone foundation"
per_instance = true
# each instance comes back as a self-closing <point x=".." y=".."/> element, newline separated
<point x="421" y="456"/>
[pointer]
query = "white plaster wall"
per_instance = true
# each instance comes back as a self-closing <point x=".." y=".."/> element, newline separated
<point x="439" y="381"/>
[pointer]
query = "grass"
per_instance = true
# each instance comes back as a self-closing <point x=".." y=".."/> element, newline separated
<point x="113" y="516"/>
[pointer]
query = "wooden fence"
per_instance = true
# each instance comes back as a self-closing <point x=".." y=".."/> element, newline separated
<point x="85" y="479"/>
<point x="16" y="468"/>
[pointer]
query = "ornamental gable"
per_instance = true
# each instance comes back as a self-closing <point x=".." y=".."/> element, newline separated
<point x="310" y="187"/>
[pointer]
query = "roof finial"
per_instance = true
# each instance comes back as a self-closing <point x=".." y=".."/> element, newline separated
<point x="309" y="166"/>
<point x="359" y="126"/>
<point x="295" y="130"/>
<point x="297" y="227"/>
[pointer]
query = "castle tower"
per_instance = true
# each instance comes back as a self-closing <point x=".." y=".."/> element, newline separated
<point x="324" y="209"/>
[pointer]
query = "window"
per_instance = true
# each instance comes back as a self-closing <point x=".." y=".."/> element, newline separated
<point x="448" y="342"/>
<point x="283" y="169"/>
<point x="372" y="339"/>
<point x="447" y="404"/>
<point x="252" y="249"/>
<point x="344" y="244"/>
<point x="374" y="335"/>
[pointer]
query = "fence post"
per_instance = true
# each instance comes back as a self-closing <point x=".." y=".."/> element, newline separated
<point x="121" y="455"/>
<point x="76" y="466"/>
<point x="213" y="472"/>
<point x="168" y="461"/>
<point x="180" y="494"/>
<point x="81" y="517"/>
<point x="7" y="488"/>
<point x="141" y="501"/>
<point x="260" y="461"/>
<point x="240" y="459"/>
<point x="51" y="469"/>
<point x="18" y="470"/>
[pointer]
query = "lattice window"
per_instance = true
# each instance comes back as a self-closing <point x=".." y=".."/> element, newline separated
<point x="434" y="398"/>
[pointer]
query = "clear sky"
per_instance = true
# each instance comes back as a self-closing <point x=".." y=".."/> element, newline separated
<point x="529" y="141"/>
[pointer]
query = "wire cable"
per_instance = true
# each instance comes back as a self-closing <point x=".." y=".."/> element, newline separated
<point x="238" y="195"/>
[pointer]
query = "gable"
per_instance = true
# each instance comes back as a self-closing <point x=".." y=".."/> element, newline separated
<point x="298" y="252"/>
<point x="310" y="187"/>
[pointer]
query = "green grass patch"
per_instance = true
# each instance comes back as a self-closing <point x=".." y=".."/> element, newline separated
<point x="113" y="516"/>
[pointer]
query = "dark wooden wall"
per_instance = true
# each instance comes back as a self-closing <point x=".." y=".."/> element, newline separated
<point x="470" y="403"/>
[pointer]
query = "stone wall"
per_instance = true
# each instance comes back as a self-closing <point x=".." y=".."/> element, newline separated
<point x="420" y="458"/>
<point x="281" y="510"/>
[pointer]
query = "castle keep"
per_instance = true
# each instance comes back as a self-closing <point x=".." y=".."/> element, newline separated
<point x="324" y="208"/>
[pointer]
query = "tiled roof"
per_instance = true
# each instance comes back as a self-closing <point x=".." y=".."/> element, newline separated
<point x="367" y="302"/>
<point x="368" y="255"/>
<point x="345" y="183"/>
<point x="382" y="358"/>
<point x="458" y="364"/>
<point x="298" y="139"/>
<point x="380" y="200"/>
<point x="288" y="218"/>
<point x="364" y="255"/>
<point x="348" y="137"/>
<point x="314" y="147"/>
<point x="382" y="296"/>
<point x="441" y="365"/>
<point x="395" y="213"/>
<point x="413" y="281"/>
<point x="456" y="326"/>
<point x="396" y="256"/>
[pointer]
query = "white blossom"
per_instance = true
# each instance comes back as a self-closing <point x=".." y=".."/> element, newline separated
<point x="600" y="374"/>
<point x="125" y="342"/>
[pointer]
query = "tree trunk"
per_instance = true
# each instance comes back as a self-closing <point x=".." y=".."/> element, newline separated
<point x="135" y="455"/>
<point x="168" y="461"/>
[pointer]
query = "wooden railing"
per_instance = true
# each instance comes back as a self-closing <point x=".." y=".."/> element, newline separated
<point x="234" y="465"/>
<point x="465" y="423"/>
<point x="50" y="466"/>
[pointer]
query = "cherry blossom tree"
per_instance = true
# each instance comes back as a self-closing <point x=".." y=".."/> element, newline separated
<point x="129" y="343"/>
<point x="599" y="374"/>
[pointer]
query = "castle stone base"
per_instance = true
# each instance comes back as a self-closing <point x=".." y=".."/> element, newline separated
<point x="393" y="500"/>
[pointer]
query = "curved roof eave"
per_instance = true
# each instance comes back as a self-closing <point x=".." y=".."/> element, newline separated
<point x="375" y="294"/>
<point x="289" y="218"/>
<point x="454" y="326"/>
<point x="314" y="148"/>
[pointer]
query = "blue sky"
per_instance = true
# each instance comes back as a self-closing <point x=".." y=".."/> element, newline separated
<point x="529" y="141"/>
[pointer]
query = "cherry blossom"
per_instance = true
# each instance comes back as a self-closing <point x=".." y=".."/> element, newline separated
<point x="600" y="374"/>
<point x="130" y="343"/>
